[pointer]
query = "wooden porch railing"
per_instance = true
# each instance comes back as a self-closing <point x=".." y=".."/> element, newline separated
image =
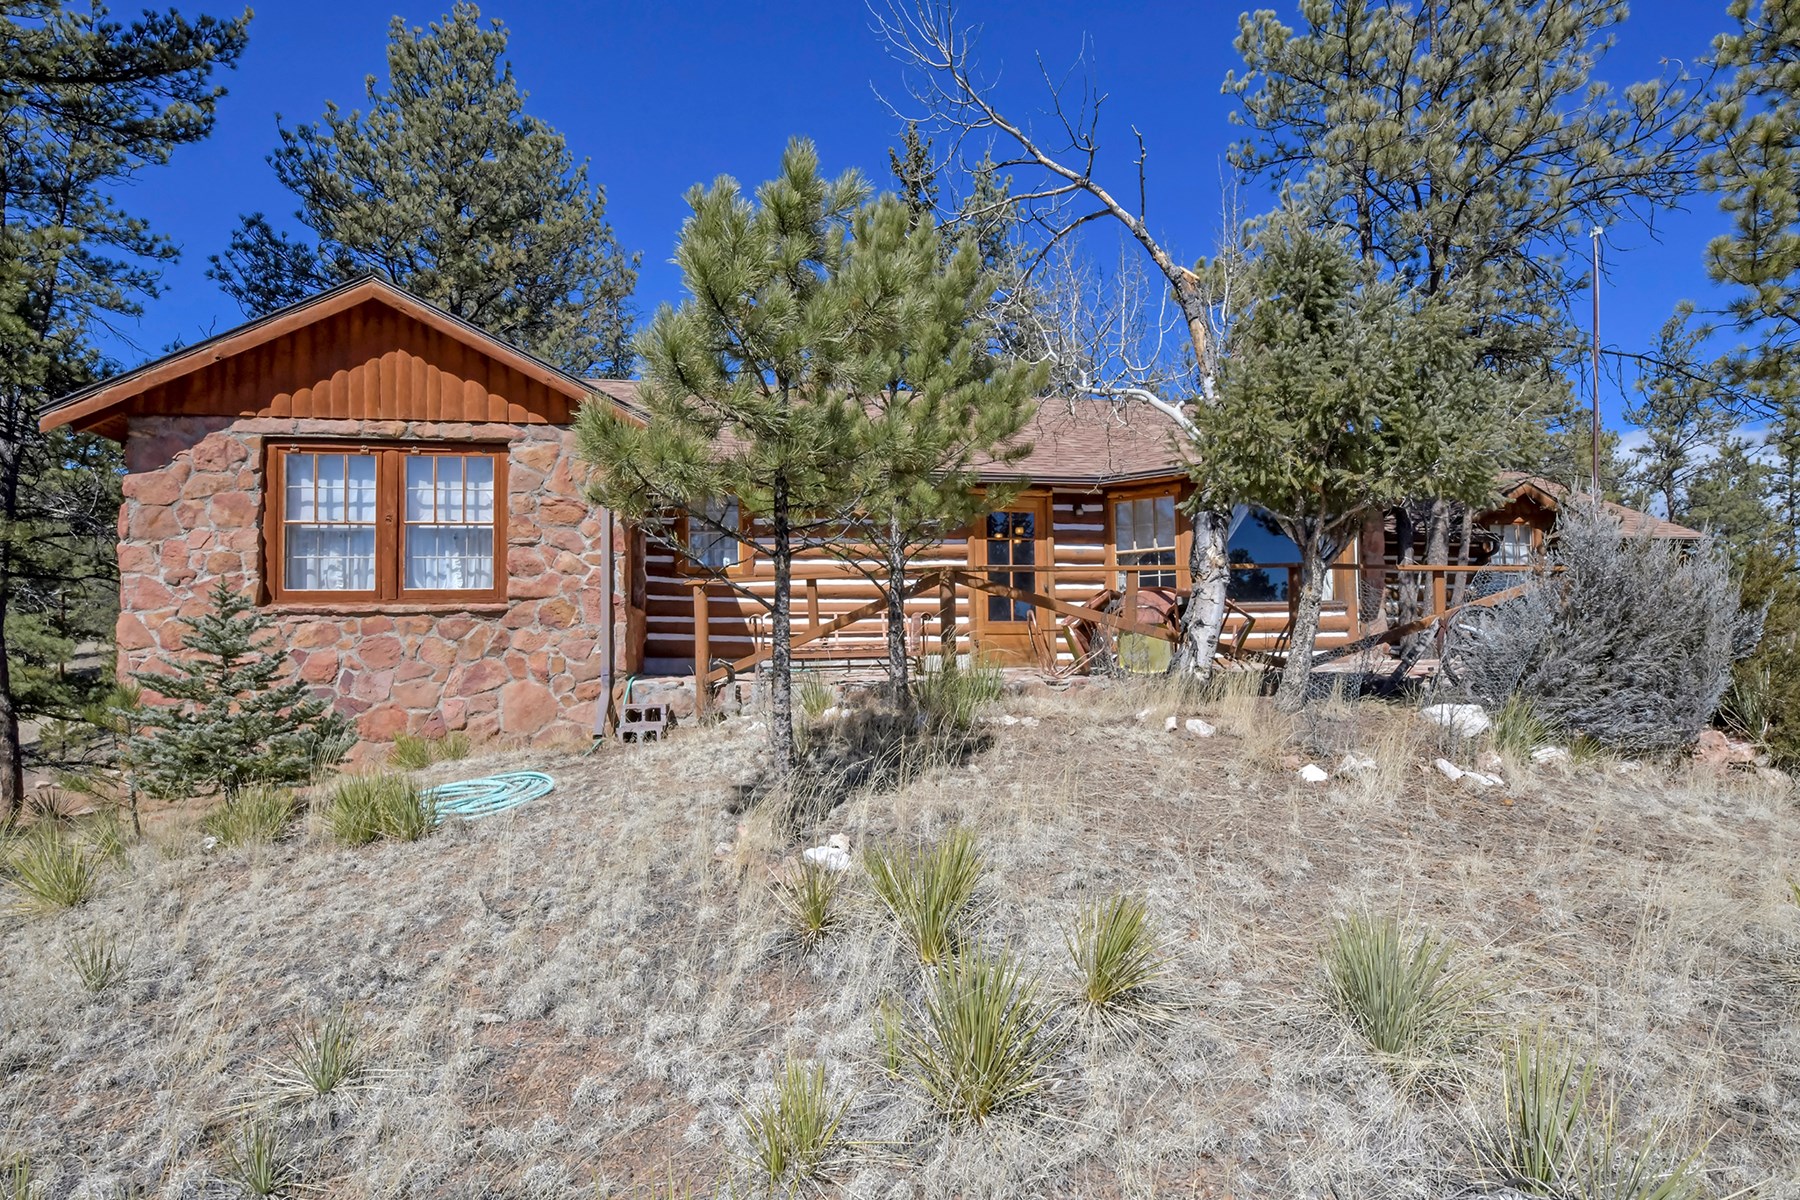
<point x="946" y="580"/>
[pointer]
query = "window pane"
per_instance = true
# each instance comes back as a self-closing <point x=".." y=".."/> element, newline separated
<point x="331" y="487"/>
<point x="712" y="548"/>
<point x="361" y="489"/>
<point x="330" y="558"/>
<point x="450" y="558"/>
<point x="299" y="468"/>
<point x="449" y="489"/>
<point x="1124" y="528"/>
<point x="479" y="495"/>
<point x="419" y="488"/>
<point x="1165" y="520"/>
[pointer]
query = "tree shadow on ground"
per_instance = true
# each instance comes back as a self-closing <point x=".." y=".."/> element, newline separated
<point x="874" y="746"/>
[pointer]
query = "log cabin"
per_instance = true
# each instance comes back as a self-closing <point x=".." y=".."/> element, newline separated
<point x="400" y="491"/>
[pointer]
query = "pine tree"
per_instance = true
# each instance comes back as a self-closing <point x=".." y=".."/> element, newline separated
<point x="1682" y="414"/>
<point x="916" y="172"/>
<point x="447" y="187"/>
<point x="745" y="390"/>
<point x="932" y="401"/>
<point x="232" y="725"/>
<point x="86" y="102"/>
<point x="1347" y="396"/>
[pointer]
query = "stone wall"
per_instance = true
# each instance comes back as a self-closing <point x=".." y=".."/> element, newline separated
<point x="527" y="669"/>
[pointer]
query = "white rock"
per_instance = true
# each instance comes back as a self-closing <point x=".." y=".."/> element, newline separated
<point x="832" y="858"/>
<point x="1489" y="761"/>
<point x="1630" y="768"/>
<point x="1143" y="714"/>
<point x="834" y="713"/>
<point x="1199" y="728"/>
<point x="1449" y="770"/>
<point x="207" y="843"/>
<point x="1355" y="764"/>
<point x="1313" y="773"/>
<point x="1464" y="720"/>
<point x="1171" y="725"/>
<point x="1477" y="779"/>
<point x="1009" y="719"/>
<point x="1550" y="754"/>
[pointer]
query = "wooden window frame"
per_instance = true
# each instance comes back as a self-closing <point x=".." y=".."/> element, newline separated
<point x="743" y="568"/>
<point x="1184" y="530"/>
<point x="390" y="534"/>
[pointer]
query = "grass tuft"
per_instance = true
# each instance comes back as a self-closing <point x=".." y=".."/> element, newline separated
<point x="984" y="1044"/>
<point x="52" y="869"/>
<point x="95" y="960"/>
<point x="1518" y="730"/>
<point x="1609" y="1166"/>
<point x="928" y="890"/>
<point x="813" y="694"/>
<point x="1117" y="954"/>
<point x="1544" y="1097"/>
<point x="257" y="817"/>
<point x="794" y="1133"/>
<point x="411" y="752"/>
<point x="326" y="1055"/>
<point x="16" y="1182"/>
<point x="1401" y="990"/>
<point x="364" y="808"/>
<point x="258" y="1163"/>
<point x="952" y="698"/>
<point x="810" y="900"/>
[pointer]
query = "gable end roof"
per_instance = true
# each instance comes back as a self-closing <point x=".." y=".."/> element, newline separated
<point x="95" y="405"/>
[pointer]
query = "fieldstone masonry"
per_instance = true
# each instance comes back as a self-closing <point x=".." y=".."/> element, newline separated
<point x="527" y="669"/>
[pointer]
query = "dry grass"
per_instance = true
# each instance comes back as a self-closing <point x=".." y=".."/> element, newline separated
<point x="575" y="998"/>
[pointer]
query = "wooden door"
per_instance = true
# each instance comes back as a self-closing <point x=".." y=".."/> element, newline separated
<point x="1006" y="545"/>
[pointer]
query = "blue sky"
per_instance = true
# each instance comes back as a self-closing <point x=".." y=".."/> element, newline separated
<point x="660" y="96"/>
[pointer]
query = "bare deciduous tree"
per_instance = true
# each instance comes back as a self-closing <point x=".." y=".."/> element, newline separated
<point x="1104" y="341"/>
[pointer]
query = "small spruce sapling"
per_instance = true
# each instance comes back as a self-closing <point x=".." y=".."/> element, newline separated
<point x="232" y="724"/>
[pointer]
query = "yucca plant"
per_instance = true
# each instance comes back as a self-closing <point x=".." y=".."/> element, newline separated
<point x="1545" y="1096"/>
<point x="95" y="960"/>
<point x="1517" y="728"/>
<point x="890" y="1035"/>
<point x="928" y="890"/>
<point x="15" y="1178"/>
<point x="1401" y="990"/>
<point x="326" y="1056"/>
<point x="1118" y="954"/>
<point x="810" y="900"/>
<point x="259" y="815"/>
<point x="52" y="869"/>
<point x="1608" y="1166"/>
<point x="258" y="1163"/>
<point x="814" y="695"/>
<point x="984" y="1042"/>
<point x="794" y="1132"/>
<point x="366" y="807"/>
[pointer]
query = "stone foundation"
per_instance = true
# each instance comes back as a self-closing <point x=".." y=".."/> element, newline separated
<point x="527" y="669"/>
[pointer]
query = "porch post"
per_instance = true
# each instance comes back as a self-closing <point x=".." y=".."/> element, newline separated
<point x="946" y="622"/>
<point x="702" y="650"/>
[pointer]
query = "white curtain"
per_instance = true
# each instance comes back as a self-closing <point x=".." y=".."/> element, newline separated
<point x="449" y="522"/>
<point x="330" y="522"/>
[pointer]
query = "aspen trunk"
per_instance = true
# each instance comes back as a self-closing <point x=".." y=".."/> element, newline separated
<point x="1209" y="567"/>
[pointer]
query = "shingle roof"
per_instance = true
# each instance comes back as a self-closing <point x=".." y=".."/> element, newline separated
<point x="1514" y="484"/>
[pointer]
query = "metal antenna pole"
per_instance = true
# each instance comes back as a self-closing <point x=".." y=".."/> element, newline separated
<point x="1595" y="365"/>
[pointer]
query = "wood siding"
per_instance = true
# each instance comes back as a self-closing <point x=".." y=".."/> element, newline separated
<point x="370" y="362"/>
<point x="1079" y="550"/>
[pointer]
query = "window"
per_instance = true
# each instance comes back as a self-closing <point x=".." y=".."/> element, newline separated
<point x="328" y="523"/>
<point x="365" y="524"/>
<point x="710" y="548"/>
<point x="1512" y="544"/>
<point x="1260" y="555"/>
<point x="1144" y="536"/>
<point x="449" y="523"/>
<point x="1011" y="542"/>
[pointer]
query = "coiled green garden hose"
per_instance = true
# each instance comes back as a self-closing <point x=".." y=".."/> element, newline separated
<point x="472" y="798"/>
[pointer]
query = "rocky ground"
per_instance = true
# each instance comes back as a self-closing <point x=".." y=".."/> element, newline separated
<point x="581" y="996"/>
